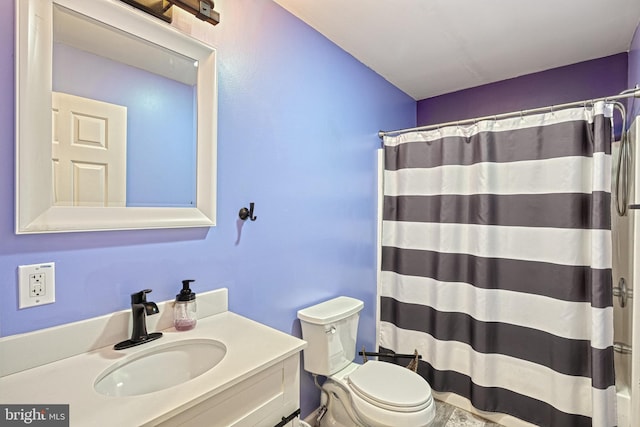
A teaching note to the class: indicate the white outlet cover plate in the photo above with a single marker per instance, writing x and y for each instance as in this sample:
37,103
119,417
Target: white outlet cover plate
25,299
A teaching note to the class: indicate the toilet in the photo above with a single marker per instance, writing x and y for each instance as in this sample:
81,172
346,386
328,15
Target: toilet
373,394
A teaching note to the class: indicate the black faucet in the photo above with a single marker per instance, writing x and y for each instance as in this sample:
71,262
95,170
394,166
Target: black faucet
139,307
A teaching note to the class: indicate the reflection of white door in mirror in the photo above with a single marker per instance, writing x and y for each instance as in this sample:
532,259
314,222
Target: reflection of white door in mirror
36,209
89,151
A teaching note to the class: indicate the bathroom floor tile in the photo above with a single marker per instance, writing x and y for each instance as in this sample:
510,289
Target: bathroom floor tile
460,418
443,413
451,416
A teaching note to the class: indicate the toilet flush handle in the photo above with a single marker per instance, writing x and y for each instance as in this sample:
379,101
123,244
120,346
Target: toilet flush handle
331,330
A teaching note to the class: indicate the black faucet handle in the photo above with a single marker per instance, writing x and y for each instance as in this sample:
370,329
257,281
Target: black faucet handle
140,297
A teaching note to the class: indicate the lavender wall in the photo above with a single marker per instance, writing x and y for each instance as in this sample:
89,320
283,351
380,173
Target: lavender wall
298,122
585,80
634,71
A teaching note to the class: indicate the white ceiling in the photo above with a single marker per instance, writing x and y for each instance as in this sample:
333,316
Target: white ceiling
431,47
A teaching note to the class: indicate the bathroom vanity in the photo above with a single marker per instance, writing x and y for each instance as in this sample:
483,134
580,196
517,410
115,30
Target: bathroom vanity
250,377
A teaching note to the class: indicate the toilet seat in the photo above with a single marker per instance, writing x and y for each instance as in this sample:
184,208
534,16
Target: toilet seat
390,387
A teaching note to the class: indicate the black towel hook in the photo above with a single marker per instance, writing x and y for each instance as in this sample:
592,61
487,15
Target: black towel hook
247,213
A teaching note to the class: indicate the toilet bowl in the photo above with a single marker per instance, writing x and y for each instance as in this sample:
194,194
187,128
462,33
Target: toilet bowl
375,394
378,394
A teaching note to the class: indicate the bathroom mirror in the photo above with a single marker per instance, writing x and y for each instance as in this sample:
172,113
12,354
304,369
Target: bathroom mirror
100,39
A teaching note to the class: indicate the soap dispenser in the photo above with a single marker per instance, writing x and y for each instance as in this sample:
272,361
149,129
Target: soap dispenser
184,310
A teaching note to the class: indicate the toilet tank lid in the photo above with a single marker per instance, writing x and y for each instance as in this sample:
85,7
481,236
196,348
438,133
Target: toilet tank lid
331,310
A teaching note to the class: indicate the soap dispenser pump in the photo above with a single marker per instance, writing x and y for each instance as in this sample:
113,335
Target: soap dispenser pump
184,311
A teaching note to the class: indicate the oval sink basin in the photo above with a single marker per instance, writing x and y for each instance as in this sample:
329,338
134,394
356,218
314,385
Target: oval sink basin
161,367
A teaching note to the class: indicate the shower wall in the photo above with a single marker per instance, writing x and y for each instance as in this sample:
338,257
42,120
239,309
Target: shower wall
626,271
634,111
631,319
623,234
634,71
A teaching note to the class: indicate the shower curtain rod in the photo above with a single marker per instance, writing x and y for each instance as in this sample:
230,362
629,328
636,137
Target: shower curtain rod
629,93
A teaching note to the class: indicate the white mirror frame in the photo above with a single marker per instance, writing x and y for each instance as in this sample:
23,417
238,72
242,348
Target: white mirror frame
35,212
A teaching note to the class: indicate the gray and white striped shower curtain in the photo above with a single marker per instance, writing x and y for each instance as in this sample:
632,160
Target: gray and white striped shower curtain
496,263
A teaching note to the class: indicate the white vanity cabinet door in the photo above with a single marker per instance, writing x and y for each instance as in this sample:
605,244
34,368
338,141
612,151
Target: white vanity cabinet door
259,401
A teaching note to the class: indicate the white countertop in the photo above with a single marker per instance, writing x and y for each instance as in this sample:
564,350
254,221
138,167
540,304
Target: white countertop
251,347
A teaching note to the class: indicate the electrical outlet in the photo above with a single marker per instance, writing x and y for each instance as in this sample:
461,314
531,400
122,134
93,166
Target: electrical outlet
36,284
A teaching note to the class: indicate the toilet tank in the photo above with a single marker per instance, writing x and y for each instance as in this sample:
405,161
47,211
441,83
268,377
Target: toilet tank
330,329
